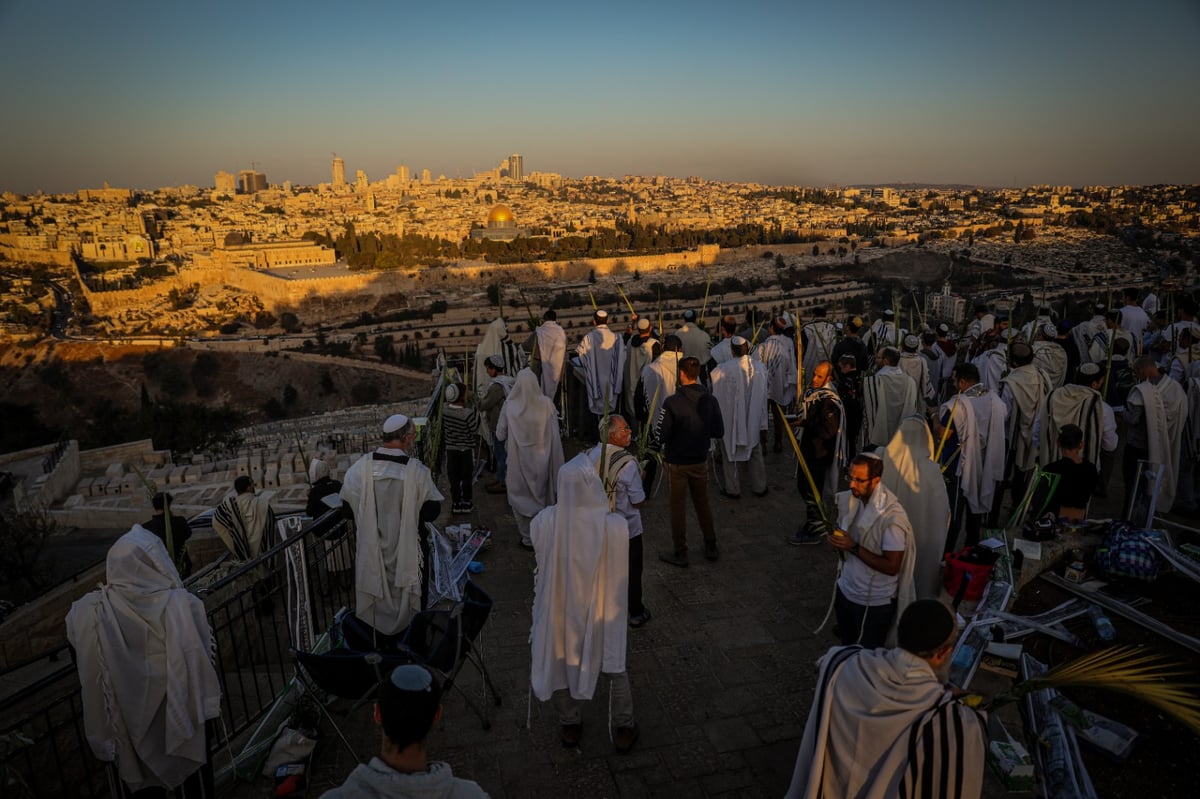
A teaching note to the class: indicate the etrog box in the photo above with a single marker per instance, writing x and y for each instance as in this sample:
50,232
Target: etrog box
1012,765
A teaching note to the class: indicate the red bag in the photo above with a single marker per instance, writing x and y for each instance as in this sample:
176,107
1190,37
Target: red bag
967,561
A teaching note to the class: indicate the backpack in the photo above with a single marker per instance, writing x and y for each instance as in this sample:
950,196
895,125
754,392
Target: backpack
1126,554
1121,381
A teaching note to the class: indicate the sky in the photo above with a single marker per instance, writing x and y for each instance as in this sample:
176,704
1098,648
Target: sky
794,92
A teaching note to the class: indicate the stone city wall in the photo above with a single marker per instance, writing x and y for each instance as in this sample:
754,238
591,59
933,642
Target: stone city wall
53,257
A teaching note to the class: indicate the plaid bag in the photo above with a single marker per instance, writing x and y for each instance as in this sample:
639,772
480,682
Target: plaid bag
1125,554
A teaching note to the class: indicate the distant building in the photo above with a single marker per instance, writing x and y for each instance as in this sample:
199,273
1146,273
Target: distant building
360,180
426,176
268,255
546,180
403,173
501,226
107,194
516,167
226,182
250,181
946,306
339,172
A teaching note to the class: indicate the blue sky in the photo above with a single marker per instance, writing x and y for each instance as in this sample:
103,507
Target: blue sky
147,94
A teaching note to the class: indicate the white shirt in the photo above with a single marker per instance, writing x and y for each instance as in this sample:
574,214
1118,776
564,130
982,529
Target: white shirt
629,489
861,584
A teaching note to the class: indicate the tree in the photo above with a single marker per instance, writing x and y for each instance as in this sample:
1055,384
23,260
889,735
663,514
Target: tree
289,322
816,250
23,535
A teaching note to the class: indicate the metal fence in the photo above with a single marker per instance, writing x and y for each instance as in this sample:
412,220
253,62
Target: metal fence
255,612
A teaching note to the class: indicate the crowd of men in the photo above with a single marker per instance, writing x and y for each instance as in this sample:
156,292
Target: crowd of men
936,433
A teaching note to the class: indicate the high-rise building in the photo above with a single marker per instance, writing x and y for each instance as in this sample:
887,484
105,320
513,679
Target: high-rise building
426,176
339,171
516,167
402,172
225,181
250,181
360,180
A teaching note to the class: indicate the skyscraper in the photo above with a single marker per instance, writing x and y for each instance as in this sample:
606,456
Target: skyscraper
402,171
225,181
339,172
250,181
360,180
516,167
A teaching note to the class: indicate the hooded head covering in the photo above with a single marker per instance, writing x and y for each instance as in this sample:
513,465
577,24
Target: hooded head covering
317,469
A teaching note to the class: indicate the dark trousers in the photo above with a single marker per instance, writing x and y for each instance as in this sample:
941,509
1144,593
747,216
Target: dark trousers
460,468
776,424
819,467
689,478
636,608
850,621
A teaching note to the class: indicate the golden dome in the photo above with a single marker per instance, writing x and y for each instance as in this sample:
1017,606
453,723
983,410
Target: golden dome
500,216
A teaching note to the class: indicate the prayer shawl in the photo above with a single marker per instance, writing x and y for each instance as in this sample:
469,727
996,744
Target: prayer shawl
602,353
910,473
658,382
1077,405
882,334
387,563
1051,360
812,402
1083,333
778,353
245,522
552,352
496,342
888,396
638,354
992,364
740,387
1030,328
983,453
866,523
696,342
1100,347
882,725
1165,408
1192,437
980,326
143,648
529,423
580,586
722,351
819,338
1028,388
917,368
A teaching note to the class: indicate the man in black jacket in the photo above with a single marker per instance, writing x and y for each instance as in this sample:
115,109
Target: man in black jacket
691,418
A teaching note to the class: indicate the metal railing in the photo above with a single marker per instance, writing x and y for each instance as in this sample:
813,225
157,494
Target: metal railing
43,748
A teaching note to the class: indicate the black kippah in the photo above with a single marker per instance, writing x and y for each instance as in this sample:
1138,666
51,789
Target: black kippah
925,625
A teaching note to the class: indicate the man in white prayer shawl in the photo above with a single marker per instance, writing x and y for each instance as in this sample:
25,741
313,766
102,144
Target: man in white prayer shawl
875,540
910,472
818,337
696,341
992,363
659,378
778,354
391,496
602,358
740,386
720,353
888,396
549,353
143,648
1049,356
528,427
640,351
580,597
883,333
244,521
1084,332
884,725
496,341
1023,391
917,367
1155,414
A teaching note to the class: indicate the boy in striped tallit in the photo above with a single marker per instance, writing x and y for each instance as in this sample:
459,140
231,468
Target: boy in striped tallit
883,724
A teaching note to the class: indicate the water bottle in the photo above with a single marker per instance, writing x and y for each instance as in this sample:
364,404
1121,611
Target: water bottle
1103,626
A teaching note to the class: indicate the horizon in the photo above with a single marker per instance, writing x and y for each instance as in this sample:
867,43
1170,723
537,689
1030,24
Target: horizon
146,95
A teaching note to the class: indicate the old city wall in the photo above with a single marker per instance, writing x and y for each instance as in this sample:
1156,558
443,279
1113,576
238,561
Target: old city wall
52,257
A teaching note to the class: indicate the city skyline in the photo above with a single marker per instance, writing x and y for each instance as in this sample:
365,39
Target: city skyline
146,95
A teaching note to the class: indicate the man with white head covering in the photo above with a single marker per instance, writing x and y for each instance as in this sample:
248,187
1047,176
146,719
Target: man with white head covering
244,521
1105,339
658,380
580,597
778,354
549,353
1084,332
496,341
818,336
916,367
911,473
1155,414
888,396
883,333
884,723
875,537
1078,403
696,341
528,427
602,359
992,363
1049,356
641,349
320,485
391,496
1045,316
143,647
740,387
1023,392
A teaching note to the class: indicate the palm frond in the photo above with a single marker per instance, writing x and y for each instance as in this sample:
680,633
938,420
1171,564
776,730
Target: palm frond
1146,676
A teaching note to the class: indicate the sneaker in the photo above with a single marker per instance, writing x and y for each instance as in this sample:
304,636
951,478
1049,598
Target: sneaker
625,738
468,507
640,619
761,494
570,734
710,551
456,508
803,537
679,559
727,495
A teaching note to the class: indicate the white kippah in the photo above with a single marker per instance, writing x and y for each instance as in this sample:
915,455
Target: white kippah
911,341
601,314
643,324
872,455
452,393
394,422
1049,330
737,341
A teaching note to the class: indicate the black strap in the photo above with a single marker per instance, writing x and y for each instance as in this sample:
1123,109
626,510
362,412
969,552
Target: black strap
383,456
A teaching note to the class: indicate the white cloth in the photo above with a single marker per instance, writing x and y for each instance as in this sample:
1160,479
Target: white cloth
386,498
639,353
1165,409
659,378
857,739
740,387
529,423
1071,404
722,351
982,456
496,342
819,338
1135,320
625,487
317,469
778,354
910,473
1083,333
1051,360
143,648
580,587
888,396
917,367
1027,389
882,334
992,364
552,352
868,523
696,342
602,354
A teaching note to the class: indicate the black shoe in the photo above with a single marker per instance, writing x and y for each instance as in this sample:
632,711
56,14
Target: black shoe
679,559
710,551
625,738
761,494
803,537
570,734
727,495
640,619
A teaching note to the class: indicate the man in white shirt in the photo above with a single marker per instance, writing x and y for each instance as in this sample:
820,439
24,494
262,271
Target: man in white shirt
1134,318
